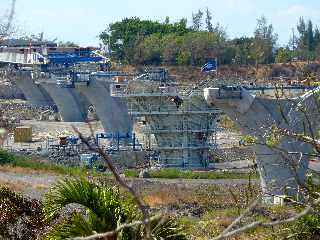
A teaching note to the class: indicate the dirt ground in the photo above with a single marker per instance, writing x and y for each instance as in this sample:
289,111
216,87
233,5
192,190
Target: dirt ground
45,133
34,183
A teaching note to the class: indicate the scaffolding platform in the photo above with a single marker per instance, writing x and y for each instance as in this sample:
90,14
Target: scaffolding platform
180,123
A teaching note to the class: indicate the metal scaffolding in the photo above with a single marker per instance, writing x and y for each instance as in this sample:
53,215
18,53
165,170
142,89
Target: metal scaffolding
181,124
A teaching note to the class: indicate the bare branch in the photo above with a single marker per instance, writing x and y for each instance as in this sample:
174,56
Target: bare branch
112,233
238,219
6,29
225,234
119,180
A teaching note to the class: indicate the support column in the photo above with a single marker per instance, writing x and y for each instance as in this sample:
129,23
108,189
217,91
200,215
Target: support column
32,91
66,100
280,173
112,112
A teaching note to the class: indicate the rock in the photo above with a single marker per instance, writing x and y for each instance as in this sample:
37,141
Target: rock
144,174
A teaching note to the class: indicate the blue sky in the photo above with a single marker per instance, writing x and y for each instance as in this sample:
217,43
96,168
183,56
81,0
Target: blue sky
82,20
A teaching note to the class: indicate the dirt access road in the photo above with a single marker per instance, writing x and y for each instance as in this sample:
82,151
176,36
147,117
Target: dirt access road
35,183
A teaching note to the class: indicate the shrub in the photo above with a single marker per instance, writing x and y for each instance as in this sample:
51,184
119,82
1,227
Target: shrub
6,157
307,228
20,218
106,208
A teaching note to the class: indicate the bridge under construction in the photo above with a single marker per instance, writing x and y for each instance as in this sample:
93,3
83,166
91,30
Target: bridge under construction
177,125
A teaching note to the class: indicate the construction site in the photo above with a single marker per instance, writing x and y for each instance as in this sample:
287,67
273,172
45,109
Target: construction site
187,147
147,114
147,119
177,120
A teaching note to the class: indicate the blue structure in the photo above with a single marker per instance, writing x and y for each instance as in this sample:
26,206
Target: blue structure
88,159
66,59
210,66
118,138
72,58
292,87
72,140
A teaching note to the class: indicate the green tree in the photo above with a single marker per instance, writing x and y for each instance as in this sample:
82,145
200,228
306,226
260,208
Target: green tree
283,55
209,25
201,46
243,50
317,43
308,40
171,47
197,20
67,44
149,50
123,36
264,41
316,38
302,30
310,36
167,20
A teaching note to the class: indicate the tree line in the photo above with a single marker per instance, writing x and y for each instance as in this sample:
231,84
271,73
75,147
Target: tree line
137,41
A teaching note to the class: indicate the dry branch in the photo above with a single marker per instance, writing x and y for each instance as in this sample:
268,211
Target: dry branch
225,234
5,29
120,228
119,180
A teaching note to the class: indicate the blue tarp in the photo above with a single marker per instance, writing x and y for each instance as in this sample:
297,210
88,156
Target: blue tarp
210,66
71,58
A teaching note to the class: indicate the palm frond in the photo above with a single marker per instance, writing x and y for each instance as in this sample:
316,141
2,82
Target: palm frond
65,192
163,229
76,226
104,206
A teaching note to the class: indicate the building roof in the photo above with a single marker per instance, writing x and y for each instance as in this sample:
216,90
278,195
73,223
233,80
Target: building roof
26,43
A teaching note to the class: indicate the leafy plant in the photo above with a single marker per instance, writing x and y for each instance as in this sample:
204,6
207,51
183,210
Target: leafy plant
163,229
105,209
307,228
6,157
248,140
20,218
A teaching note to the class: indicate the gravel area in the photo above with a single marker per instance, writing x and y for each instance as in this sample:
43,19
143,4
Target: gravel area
33,185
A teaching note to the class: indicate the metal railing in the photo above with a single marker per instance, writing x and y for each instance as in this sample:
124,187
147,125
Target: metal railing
182,146
122,90
177,130
165,109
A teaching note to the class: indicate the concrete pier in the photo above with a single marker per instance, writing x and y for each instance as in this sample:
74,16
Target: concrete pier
283,166
67,101
32,91
112,112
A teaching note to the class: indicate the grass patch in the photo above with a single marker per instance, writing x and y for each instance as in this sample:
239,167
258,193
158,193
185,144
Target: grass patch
9,159
227,123
131,173
173,173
